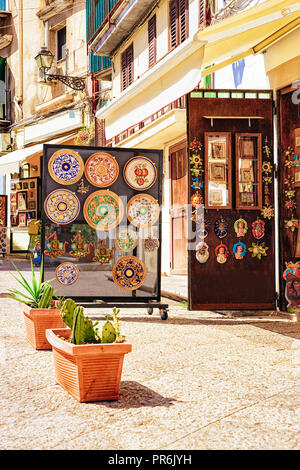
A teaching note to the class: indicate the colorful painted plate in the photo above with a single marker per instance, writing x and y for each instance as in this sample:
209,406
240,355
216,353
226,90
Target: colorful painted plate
151,244
66,166
62,206
129,273
67,274
142,210
101,169
126,240
103,210
140,173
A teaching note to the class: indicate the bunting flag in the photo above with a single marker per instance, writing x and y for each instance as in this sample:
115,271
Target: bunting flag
238,72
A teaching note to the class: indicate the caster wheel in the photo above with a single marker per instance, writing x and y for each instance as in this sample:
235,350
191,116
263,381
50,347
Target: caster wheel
164,314
150,310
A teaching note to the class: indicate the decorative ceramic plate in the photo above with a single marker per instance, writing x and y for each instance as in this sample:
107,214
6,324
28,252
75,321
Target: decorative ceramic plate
62,206
151,244
140,173
129,273
126,240
142,210
67,274
101,169
103,210
66,166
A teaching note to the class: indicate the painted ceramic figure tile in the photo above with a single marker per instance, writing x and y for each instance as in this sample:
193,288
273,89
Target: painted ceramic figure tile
292,288
221,252
65,166
239,250
140,173
220,227
202,252
101,169
240,227
258,228
129,273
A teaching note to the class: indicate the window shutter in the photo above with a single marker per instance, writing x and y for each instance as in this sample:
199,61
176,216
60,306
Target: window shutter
130,64
202,13
127,67
183,20
173,23
152,40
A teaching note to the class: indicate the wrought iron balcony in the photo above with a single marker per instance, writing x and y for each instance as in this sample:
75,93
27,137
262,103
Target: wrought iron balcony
231,8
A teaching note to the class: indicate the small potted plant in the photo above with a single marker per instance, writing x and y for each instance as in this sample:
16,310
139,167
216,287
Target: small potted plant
88,362
40,309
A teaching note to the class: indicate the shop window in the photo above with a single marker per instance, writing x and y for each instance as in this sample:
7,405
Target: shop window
178,23
61,43
248,171
218,170
152,40
127,67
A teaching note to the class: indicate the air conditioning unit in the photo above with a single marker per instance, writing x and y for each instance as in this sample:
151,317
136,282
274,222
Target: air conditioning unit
5,142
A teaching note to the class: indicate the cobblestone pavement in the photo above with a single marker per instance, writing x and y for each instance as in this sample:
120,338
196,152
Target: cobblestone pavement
195,381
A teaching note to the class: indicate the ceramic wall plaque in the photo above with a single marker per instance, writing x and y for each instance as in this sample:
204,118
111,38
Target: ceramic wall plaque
202,252
258,228
129,273
126,239
66,166
103,210
220,227
239,250
240,227
140,173
221,252
62,206
67,273
101,169
142,210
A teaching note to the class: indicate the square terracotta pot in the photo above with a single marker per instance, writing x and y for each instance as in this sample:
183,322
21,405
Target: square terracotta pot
88,372
37,321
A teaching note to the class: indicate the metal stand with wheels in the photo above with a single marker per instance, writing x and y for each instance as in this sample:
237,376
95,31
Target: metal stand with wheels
150,306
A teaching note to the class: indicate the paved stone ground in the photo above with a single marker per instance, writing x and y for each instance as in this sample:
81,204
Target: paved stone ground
195,381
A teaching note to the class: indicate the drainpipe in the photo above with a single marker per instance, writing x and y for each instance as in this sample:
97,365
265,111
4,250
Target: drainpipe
21,84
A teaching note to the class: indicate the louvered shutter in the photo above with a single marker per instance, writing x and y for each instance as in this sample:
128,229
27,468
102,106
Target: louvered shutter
130,64
202,13
152,40
127,67
173,24
124,68
183,20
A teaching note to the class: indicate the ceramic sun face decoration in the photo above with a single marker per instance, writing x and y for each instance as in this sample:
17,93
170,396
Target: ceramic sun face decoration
202,252
258,228
240,227
239,250
221,252
221,227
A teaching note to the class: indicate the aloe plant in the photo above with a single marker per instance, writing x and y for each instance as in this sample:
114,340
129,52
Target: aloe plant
34,290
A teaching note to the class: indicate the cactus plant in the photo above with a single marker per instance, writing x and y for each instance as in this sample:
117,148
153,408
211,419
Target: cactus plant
108,334
47,295
84,330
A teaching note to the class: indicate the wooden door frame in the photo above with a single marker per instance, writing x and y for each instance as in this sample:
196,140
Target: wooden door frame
174,148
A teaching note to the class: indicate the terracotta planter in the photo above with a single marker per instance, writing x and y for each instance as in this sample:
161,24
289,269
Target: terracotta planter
37,321
88,372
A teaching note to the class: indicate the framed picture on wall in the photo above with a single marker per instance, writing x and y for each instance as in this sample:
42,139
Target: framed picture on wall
31,205
22,219
247,175
215,197
13,207
22,201
19,185
14,220
217,172
31,195
218,150
25,185
13,198
247,147
12,186
32,184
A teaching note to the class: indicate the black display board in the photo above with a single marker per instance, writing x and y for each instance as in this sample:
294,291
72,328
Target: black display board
95,280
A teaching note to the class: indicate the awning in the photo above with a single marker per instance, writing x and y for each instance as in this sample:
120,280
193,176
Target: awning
10,163
220,44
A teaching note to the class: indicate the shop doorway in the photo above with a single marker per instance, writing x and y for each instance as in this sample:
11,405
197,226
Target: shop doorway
178,201
232,257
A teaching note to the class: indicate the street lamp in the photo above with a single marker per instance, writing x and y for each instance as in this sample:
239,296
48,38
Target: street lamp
44,61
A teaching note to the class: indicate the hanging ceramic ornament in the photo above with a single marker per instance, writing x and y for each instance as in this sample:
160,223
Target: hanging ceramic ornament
220,227
239,250
258,250
258,228
202,228
202,252
196,199
221,252
240,227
